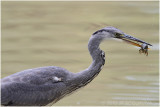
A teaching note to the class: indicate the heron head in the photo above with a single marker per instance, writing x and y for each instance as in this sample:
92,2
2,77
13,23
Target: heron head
112,32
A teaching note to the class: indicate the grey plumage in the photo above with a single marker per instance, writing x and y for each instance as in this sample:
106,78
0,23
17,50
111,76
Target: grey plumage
34,86
47,85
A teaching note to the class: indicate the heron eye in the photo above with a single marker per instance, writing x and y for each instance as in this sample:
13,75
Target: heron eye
118,34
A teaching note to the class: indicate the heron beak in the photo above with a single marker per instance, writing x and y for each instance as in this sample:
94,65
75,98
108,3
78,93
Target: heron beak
132,40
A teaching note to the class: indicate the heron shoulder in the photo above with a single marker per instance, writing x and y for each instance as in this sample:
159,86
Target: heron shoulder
37,76
40,83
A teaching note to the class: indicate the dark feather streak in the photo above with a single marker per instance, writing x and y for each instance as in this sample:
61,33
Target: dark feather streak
100,31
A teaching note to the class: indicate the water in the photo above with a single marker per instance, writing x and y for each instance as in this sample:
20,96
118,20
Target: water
38,34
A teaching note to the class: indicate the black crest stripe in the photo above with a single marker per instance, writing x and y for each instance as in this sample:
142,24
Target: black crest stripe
100,31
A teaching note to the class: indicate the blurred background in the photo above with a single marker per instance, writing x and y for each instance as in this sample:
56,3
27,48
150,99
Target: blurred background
36,34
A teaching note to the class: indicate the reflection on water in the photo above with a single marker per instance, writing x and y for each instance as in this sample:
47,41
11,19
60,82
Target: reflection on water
38,34
124,86
142,78
146,94
155,46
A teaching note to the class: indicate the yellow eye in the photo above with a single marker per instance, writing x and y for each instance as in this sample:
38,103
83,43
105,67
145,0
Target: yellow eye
118,34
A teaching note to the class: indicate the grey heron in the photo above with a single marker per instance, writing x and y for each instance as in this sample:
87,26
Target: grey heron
47,85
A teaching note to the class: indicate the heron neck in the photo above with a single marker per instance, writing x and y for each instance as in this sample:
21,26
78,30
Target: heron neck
87,75
93,46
